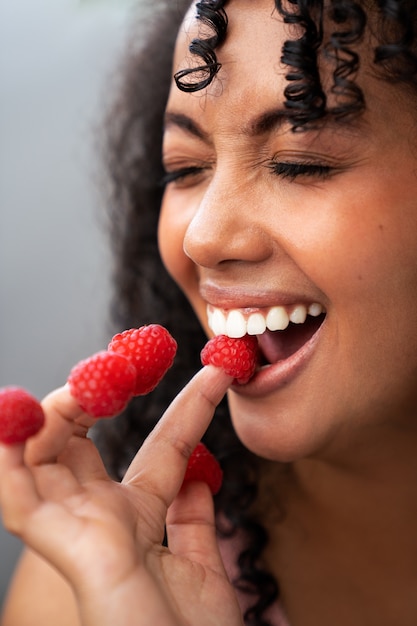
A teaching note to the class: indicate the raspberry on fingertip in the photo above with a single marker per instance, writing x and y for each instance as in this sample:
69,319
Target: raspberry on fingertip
21,415
151,349
237,357
103,383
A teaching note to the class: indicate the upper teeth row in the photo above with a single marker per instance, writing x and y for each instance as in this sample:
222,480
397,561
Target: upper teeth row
235,323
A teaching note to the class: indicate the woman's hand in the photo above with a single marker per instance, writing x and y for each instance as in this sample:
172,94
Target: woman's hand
104,537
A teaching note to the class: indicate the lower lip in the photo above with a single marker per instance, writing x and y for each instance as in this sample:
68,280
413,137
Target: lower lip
271,378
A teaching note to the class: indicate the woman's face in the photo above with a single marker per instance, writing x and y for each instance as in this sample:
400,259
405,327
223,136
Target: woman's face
260,224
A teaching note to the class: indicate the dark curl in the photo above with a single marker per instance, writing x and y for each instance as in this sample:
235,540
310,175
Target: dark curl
346,60
304,96
396,54
211,14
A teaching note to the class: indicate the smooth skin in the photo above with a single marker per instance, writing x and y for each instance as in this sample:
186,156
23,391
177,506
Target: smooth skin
237,234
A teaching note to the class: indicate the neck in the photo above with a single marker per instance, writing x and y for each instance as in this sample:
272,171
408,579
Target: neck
348,526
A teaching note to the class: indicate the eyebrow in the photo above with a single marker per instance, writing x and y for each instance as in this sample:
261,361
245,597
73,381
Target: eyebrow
264,123
185,123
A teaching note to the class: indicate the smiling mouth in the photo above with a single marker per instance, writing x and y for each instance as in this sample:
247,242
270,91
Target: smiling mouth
281,331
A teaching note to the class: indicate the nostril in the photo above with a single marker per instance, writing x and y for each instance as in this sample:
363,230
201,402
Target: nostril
210,243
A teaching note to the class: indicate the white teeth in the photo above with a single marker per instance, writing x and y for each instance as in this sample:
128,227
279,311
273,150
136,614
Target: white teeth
315,309
298,314
235,325
217,322
277,318
256,324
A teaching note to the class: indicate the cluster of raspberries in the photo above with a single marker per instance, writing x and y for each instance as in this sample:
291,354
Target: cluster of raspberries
134,363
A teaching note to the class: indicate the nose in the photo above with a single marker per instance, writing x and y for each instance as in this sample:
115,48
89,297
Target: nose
227,227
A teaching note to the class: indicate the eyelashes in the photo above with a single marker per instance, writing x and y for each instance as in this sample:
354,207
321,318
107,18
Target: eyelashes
287,170
180,175
293,170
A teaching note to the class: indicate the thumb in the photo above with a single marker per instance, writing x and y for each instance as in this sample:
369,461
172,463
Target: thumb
191,528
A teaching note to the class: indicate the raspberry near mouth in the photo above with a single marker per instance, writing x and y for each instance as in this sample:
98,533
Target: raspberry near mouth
279,345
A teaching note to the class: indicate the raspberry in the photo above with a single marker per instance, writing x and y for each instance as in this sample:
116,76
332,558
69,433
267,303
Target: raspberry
151,349
204,467
103,383
238,357
21,415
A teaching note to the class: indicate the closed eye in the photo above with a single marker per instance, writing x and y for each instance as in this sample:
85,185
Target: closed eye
180,175
293,170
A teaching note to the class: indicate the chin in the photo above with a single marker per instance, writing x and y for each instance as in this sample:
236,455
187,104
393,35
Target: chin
283,437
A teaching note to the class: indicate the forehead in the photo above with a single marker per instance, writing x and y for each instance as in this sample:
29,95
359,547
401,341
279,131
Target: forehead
250,56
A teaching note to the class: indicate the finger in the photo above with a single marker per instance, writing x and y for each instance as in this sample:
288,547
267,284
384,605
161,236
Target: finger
83,459
18,493
22,489
64,438
26,515
160,464
64,418
191,529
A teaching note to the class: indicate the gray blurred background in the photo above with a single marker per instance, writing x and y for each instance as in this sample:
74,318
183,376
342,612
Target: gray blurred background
56,57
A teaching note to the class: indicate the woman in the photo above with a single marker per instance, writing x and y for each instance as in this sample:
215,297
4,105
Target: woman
289,192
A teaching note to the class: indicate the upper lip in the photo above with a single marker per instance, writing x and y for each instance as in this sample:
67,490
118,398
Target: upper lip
241,298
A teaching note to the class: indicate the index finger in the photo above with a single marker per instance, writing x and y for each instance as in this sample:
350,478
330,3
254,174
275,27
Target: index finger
161,462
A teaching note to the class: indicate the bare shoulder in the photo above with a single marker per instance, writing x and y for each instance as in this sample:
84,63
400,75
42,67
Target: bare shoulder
38,595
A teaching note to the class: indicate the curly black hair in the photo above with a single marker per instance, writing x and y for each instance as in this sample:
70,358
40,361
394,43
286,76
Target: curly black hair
395,55
143,291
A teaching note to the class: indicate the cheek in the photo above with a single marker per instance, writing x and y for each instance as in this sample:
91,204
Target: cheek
359,242
170,243
171,231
